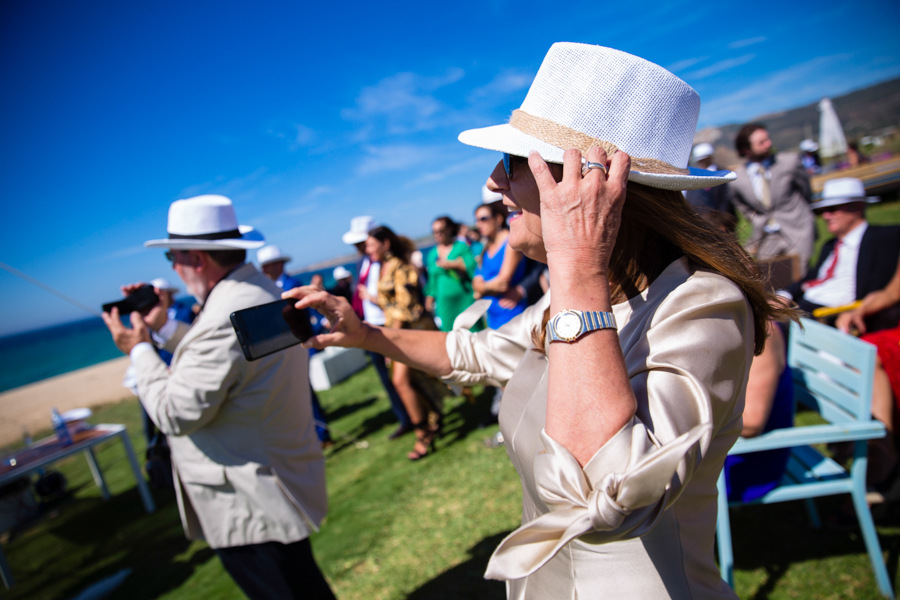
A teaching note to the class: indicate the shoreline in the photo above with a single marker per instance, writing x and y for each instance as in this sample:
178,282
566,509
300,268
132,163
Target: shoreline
28,407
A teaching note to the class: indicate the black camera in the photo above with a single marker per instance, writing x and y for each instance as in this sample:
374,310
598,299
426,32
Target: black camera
142,300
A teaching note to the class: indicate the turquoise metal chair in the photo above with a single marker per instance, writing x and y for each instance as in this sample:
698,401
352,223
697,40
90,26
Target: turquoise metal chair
832,375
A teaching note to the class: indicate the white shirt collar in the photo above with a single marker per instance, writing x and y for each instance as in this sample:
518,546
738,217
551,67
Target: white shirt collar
854,238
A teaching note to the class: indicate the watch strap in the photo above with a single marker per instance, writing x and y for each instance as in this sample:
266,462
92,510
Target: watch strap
591,320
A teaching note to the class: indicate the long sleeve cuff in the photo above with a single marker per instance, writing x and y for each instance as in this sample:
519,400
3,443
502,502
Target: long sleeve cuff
165,333
632,470
139,349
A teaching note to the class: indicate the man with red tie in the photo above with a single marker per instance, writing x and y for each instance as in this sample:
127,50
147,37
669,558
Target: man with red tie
861,258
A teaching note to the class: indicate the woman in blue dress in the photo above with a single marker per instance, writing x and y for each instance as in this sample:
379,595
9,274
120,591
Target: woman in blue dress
500,267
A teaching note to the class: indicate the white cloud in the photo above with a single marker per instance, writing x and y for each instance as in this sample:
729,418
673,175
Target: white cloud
297,135
719,67
794,86
748,42
398,157
686,63
451,169
402,103
225,186
121,253
301,209
304,136
502,85
319,190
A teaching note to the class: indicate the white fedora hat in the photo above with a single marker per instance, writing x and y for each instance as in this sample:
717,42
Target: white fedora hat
702,150
270,254
341,273
161,283
359,230
585,96
489,197
206,223
842,191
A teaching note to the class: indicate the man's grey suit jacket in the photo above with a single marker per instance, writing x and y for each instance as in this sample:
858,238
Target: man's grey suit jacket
791,193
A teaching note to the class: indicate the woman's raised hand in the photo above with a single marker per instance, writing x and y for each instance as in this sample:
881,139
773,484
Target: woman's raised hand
580,215
346,328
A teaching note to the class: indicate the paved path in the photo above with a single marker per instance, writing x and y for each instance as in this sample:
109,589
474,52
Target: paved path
29,406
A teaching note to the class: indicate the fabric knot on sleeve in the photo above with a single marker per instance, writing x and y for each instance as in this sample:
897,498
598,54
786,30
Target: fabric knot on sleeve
576,508
603,510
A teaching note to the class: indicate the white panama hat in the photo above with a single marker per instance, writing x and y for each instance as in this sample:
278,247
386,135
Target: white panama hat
489,197
808,146
586,95
842,191
206,223
702,150
161,283
341,273
270,254
359,230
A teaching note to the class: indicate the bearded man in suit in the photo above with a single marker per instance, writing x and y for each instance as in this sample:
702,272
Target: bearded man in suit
773,193
248,468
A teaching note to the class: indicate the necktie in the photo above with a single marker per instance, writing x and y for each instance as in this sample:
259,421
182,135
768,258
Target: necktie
766,197
829,272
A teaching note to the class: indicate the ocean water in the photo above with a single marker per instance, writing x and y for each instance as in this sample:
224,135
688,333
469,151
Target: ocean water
35,355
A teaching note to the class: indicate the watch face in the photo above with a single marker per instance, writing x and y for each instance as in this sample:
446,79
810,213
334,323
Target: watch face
567,325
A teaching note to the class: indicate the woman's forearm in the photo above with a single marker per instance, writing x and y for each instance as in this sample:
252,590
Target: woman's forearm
423,350
589,397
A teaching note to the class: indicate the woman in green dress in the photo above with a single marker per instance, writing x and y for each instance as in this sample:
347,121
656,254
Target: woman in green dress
450,267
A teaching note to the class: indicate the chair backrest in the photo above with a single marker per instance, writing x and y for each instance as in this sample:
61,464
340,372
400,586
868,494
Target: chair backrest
832,371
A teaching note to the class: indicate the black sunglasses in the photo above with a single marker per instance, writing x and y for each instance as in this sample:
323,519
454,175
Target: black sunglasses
508,165
170,256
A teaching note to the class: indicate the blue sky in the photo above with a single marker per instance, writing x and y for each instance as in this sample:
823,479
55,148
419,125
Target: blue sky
306,115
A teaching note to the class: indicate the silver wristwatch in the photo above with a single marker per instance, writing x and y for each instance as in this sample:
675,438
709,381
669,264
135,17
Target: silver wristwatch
569,325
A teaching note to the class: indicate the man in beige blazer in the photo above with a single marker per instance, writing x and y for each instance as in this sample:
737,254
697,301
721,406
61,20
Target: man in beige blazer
249,471
773,193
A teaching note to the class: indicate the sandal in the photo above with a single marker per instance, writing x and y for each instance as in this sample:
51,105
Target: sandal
424,442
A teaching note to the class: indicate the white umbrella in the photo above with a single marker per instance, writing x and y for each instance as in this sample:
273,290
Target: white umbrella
831,135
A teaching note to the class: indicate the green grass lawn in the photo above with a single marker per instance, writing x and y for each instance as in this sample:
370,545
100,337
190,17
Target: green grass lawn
395,529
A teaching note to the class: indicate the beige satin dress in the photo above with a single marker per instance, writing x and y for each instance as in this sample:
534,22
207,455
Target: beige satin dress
639,520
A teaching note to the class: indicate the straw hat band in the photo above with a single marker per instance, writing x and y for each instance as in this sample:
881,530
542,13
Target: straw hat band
559,135
218,235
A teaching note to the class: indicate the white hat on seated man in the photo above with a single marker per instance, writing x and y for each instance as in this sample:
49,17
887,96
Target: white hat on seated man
341,273
206,223
842,191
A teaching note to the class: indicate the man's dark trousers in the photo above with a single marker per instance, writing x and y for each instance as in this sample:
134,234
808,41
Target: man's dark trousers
276,571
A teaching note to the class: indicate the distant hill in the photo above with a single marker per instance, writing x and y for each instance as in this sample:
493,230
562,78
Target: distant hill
862,112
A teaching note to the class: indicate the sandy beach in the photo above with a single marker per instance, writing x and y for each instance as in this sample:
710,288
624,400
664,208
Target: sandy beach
29,406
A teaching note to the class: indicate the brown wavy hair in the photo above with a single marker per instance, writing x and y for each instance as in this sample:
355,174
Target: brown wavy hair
658,227
401,247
